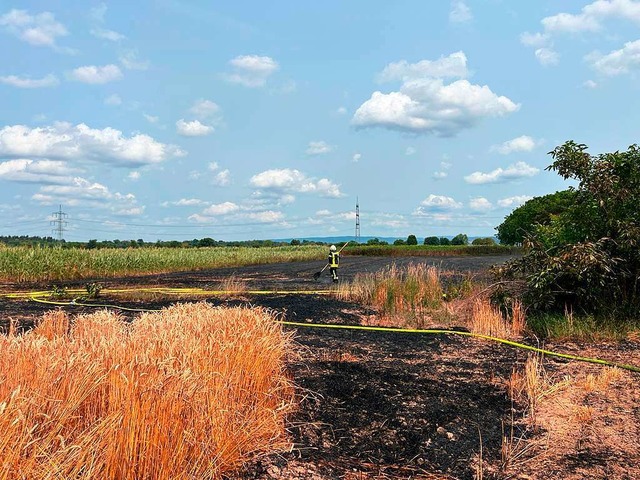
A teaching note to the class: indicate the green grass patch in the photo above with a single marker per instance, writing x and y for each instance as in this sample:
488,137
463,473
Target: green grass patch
26,264
580,327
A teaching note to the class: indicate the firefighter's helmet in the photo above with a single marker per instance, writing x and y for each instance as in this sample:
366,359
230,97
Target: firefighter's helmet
332,248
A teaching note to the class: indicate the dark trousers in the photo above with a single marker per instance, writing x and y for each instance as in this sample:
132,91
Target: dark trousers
334,273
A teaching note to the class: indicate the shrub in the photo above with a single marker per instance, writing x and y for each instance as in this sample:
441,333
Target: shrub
483,241
460,239
412,240
445,241
432,241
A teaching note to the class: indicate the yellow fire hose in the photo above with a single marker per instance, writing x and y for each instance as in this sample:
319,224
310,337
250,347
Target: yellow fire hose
36,296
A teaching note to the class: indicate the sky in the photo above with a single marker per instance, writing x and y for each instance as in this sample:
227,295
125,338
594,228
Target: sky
174,120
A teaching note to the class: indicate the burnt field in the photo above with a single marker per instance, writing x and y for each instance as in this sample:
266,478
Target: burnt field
397,405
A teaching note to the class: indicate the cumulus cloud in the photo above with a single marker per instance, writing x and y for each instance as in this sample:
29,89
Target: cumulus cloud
222,178
460,12
410,151
515,201
451,66
151,118
589,20
425,104
96,75
80,143
437,203
25,170
480,204
356,157
41,30
130,61
134,176
80,191
513,172
590,84
251,70
341,111
193,129
205,109
188,202
318,148
617,62
288,180
49,80
547,56
439,175
221,209
523,143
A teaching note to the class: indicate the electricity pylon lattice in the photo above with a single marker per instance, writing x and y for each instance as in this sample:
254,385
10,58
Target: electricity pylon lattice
357,221
59,223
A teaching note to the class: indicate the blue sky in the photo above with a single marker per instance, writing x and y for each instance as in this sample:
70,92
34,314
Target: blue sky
254,120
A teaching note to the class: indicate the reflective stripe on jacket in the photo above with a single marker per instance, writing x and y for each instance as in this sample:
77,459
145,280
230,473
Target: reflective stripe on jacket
334,259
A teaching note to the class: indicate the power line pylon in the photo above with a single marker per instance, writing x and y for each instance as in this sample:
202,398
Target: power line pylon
59,223
357,221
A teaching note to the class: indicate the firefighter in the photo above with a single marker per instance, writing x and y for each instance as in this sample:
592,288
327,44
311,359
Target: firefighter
334,261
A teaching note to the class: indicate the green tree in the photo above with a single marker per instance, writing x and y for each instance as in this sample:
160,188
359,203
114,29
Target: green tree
445,241
537,211
460,239
483,241
588,256
399,241
412,240
432,241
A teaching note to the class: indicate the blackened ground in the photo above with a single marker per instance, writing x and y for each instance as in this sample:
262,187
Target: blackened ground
372,405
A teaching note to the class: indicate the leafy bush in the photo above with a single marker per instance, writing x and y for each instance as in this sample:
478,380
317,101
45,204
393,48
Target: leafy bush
412,240
445,241
460,239
483,241
432,241
587,258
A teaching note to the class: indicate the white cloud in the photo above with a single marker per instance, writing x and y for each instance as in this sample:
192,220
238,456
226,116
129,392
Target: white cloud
318,148
222,178
113,100
390,220
356,157
205,109
98,12
439,175
480,204
134,176
251,70
63,141
590,84
323,213
460,12
446,165
512,172
268,216
288,180
129,60
41,171
534,39
452,66
49,80
80,191
189,202
592,15
616,62
426,105
96,75
437,203
221,209
341,111
193,129
523,143
41,30
514,201
151,118
107,34
547,56
410,151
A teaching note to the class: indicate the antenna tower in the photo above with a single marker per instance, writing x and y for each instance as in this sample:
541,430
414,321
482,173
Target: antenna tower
59,223
357,221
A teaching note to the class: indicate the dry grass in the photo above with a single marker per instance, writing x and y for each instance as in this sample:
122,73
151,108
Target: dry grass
413,291
190,392
233,284
488,320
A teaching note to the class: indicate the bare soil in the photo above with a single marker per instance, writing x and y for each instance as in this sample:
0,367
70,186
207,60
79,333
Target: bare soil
383,405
